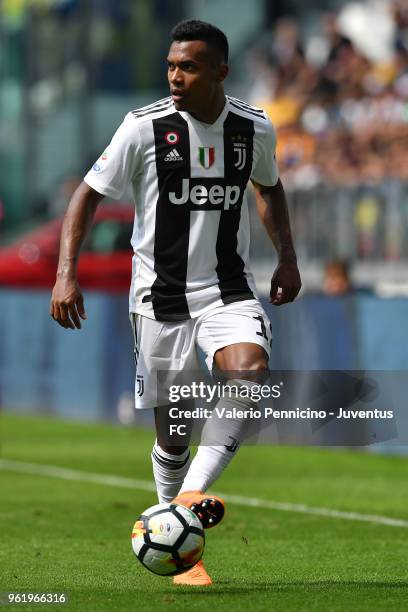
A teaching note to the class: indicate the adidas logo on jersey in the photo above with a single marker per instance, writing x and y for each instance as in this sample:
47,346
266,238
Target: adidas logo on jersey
200,194
173,155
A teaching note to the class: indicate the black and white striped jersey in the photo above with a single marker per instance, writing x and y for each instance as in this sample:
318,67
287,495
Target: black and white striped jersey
191,233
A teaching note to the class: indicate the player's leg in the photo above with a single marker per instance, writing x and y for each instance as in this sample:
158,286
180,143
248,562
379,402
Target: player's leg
220,338
158,353
170,458
221,437
162,348
237,340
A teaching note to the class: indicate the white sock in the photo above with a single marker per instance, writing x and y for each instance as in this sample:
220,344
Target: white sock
169,472
220,439
206,467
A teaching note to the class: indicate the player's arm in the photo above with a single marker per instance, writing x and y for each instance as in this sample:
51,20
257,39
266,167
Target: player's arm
67,304
273,211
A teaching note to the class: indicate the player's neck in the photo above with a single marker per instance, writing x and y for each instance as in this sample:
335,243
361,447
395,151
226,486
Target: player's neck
212,111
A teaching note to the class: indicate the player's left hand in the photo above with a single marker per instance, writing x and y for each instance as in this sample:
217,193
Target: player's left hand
285,283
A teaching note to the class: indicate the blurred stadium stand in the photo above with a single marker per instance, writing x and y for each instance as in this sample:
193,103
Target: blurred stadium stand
70,70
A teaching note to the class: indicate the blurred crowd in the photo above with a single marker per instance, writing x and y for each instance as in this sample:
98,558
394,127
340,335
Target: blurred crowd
341,116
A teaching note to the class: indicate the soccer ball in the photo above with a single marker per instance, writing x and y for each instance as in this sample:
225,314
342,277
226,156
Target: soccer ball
168,539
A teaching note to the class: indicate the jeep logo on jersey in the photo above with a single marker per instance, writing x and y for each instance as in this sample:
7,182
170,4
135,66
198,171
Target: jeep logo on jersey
199,195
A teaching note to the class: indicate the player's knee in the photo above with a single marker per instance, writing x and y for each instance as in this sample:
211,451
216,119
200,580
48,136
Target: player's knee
260,364
255,371
243,363
242,357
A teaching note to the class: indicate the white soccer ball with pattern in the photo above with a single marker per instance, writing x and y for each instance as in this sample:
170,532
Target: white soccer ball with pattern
168,539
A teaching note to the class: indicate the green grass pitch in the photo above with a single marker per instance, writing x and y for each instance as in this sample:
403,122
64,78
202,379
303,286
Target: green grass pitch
72,536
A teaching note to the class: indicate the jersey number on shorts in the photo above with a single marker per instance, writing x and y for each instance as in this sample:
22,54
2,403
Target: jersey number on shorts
263,327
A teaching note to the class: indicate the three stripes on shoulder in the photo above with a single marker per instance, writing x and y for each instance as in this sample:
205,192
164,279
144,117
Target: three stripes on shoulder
166,103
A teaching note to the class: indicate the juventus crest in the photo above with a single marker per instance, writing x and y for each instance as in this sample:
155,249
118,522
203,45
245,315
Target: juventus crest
240,152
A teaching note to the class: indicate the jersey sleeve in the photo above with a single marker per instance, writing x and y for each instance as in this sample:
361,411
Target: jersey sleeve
265,169
112,173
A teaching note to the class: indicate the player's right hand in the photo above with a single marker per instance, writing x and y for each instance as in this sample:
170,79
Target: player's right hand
67,303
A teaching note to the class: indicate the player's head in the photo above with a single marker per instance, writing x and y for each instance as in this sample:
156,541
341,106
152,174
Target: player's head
197,64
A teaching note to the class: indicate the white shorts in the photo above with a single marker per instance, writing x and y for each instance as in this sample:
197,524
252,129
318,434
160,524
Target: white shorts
171,347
